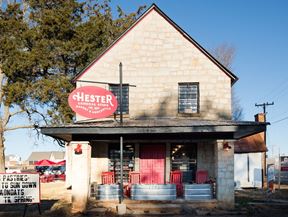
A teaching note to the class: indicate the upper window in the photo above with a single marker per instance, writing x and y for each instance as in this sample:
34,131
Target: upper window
114,88
188,99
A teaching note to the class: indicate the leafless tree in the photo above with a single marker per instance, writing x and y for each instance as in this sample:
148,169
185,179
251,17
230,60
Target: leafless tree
225,54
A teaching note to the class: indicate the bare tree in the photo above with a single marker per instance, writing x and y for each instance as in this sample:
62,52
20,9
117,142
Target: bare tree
225,54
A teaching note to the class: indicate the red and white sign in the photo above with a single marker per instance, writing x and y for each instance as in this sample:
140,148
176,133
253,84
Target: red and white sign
92,102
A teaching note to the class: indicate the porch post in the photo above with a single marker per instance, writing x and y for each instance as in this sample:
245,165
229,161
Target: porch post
168,162
224,171
137,159
68,173
81,163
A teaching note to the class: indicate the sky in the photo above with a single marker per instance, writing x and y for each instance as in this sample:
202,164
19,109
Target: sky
258,30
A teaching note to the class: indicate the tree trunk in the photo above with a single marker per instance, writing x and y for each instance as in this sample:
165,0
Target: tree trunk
2,155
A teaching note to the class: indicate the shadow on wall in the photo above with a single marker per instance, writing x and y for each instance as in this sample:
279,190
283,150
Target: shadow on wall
206,111
162,111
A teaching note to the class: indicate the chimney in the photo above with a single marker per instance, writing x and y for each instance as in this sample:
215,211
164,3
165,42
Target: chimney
260,117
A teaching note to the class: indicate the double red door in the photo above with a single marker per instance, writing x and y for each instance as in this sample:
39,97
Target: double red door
152,163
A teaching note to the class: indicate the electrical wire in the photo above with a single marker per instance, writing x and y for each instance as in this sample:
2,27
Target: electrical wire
283,119
277,90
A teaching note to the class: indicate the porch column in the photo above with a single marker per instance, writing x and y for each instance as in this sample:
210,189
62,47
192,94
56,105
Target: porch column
224,172
68,171
81,163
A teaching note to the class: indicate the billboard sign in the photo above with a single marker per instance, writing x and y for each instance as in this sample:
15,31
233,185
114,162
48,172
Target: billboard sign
18,188
92,102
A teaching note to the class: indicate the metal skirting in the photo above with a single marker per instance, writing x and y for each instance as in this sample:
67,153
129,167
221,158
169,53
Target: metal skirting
198,192
153,192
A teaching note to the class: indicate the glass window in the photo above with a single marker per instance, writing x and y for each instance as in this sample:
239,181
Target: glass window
128,160
188,99
184,158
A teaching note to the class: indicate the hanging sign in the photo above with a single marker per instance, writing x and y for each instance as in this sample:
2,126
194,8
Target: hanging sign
92,102
19,188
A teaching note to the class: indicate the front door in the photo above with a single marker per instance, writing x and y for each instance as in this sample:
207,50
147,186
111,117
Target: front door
152,163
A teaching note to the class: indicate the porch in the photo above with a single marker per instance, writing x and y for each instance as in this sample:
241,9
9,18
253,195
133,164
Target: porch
212,140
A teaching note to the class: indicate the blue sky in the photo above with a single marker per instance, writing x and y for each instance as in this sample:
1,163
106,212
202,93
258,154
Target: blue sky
259,32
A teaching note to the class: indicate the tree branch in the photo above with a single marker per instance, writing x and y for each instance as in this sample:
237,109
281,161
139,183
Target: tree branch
19,127
17,112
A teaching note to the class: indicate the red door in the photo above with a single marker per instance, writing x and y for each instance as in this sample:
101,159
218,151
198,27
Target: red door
152,164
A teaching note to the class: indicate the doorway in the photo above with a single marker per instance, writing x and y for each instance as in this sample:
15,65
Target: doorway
152,163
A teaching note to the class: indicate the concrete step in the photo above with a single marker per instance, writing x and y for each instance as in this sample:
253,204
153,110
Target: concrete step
154,209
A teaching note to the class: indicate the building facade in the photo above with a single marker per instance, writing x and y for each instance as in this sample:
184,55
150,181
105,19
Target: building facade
176,113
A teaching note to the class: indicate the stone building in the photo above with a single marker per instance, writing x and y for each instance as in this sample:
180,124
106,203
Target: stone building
177,113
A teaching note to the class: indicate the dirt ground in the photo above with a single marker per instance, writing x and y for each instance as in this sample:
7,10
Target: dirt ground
56,201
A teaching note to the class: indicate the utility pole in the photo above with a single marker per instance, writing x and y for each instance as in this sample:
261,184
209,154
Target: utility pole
279,171
264,105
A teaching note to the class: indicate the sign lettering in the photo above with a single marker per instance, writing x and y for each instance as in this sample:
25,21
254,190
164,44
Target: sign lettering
92,102
19,188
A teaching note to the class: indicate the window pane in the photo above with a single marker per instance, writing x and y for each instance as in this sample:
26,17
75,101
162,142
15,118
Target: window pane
188,98
125,97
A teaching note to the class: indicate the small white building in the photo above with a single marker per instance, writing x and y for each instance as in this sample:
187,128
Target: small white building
249,159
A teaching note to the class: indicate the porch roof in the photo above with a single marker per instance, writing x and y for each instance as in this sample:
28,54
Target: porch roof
155,129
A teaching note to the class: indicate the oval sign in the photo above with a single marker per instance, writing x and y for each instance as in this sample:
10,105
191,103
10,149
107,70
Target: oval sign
92,102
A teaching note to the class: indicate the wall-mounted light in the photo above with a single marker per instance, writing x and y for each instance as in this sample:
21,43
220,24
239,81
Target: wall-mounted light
226,146
78,149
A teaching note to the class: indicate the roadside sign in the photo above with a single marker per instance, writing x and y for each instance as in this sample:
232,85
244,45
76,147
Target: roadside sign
16,188
92,102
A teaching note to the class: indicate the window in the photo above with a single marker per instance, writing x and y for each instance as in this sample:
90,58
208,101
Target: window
184,158
128,160
114,88
188,99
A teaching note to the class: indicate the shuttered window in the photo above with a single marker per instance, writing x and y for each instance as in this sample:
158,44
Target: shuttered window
125,97
188,99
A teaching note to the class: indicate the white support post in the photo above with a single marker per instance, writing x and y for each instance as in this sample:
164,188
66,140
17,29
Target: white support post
81,163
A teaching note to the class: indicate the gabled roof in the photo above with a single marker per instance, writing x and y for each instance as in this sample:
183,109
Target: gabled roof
154,7
58,155
36,156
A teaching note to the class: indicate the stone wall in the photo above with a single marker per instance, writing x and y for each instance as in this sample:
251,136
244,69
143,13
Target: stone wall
99,161
205,158
156,57
224,171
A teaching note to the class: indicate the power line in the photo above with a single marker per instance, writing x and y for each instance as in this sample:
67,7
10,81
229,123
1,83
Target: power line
274,122
274,91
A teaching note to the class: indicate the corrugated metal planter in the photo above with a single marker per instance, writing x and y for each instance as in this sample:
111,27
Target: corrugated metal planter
198,192
153,192
108,192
